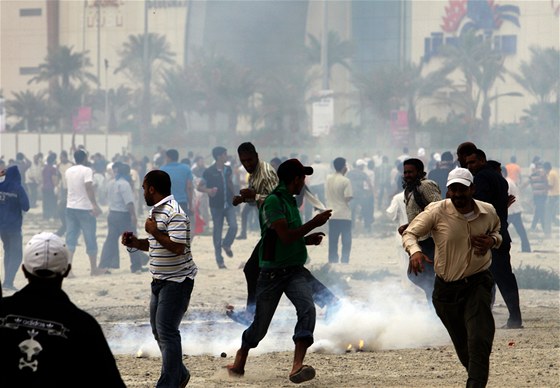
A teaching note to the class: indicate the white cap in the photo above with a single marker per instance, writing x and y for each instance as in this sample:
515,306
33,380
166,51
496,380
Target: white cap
361,162
460,175
46,252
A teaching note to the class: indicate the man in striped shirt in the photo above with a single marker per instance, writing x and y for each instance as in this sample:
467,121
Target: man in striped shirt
173,271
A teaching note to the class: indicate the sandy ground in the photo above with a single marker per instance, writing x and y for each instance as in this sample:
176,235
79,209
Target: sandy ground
405,345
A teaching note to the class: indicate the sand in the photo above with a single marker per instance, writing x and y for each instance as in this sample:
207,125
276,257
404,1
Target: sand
404,343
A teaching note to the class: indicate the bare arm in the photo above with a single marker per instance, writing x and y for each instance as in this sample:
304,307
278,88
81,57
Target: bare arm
162,238
287,235
91,195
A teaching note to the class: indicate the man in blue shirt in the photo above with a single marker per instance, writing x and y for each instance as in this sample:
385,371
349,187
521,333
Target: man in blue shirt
181,180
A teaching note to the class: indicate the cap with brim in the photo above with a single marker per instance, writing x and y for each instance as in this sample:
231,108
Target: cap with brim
292,168
460,175
46,255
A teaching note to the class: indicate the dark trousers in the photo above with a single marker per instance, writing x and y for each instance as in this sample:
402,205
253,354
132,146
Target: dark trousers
342,229
464,307
218,216
249,215
13,253
322,296
540,213
49,204
425,279
118,223
62,212
506,282
517,222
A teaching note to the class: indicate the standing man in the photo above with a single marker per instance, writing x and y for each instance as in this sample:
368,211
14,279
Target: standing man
491,187
63,165
173,271
181,180
121,218
282,257
464,230
440,173
362,195
553,199
13,202
539,186
46,340
316,184
82,209
514,211
217,183
50,182
338,190
418,193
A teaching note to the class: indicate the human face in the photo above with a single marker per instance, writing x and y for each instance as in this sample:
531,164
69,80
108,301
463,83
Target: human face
461,196
148,193
474,164
249,161
410,173
299,183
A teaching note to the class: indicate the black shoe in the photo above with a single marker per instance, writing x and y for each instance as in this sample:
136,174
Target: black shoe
222,266
228,251
509,326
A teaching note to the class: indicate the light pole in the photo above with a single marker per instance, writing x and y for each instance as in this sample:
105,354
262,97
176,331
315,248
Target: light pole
146,109
106,107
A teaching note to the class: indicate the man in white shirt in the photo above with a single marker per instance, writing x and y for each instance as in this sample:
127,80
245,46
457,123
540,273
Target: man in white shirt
82,209
339,193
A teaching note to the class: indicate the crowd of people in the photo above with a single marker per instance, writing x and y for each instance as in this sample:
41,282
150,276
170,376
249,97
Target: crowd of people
454,227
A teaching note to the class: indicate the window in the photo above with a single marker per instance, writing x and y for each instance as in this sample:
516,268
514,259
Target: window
28,70
30,12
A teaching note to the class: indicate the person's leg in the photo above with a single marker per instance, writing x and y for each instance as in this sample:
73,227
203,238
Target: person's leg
73,229
12,242
507,284
169,307
244,216
61,213
334,232
450,306
298,291
110,250
231,219
517,222
251,271
479,322
88,224
346,237
217,227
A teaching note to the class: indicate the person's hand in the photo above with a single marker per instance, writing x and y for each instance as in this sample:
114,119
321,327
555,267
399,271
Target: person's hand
511,200
237,199
314,238
416,265
482,243
128,239
248,193
150,226
212,191
322,218
96,211
402,228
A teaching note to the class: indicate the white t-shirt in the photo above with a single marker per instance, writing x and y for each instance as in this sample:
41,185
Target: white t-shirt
76,178
337,189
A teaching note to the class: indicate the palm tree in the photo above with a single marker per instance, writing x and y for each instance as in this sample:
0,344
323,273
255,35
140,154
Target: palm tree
339,51
142,72
63,66
541,76
30,108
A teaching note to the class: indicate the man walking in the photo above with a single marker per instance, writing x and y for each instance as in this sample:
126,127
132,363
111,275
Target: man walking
491,187
82,209
217,183
418,193
464,231
338,190
181,180
282,257
173,271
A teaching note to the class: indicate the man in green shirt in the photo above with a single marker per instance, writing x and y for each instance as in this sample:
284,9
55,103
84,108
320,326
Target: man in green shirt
282,255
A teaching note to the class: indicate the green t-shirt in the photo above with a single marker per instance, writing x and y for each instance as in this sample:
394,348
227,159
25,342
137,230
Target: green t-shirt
278,205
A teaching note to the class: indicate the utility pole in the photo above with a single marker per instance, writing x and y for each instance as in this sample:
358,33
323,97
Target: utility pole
146,114
98,44
324,47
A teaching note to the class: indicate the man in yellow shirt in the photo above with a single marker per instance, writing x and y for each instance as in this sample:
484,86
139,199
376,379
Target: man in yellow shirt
464,230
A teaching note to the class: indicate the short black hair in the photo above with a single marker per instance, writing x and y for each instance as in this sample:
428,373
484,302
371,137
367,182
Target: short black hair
466,148
80,156
416,163
247,148
218,151
339,163
480,155
172,154
160,181
494,165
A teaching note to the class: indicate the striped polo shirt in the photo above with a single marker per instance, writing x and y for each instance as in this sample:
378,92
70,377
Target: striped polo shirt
171,220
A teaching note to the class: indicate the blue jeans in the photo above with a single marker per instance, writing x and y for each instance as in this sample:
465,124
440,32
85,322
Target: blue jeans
119,222
425,279
342,228
81,221
168,304
272,283
218,216
13,253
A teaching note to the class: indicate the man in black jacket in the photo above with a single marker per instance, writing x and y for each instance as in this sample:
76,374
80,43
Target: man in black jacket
491,187
46,340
